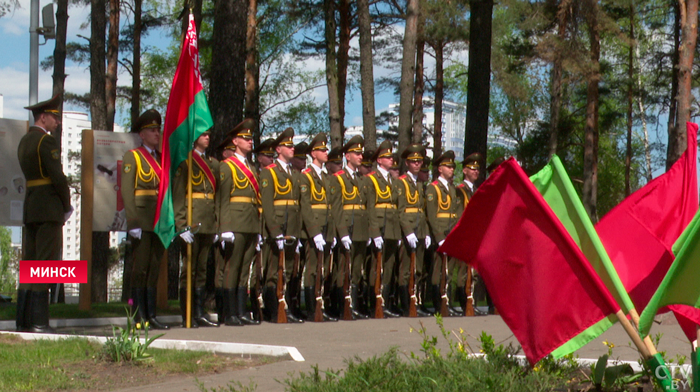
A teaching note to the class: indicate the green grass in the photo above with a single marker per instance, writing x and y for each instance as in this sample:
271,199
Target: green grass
70,311
70,364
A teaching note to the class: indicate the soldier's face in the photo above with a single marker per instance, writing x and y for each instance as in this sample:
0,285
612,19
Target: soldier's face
385,162
320,155
446,172
265,160
50,121
285,152
150,137
471,175
243,146
202,142
414,166
354,158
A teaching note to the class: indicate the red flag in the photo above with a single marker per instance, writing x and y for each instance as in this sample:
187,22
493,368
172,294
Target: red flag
541,283
639,233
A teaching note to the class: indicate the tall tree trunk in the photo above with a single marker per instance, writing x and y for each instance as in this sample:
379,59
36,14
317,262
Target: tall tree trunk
196,9
252,90
112,58
408,71
98,114
555,106
673,104
136,74
227,85
369,128
332,75
439,92
343,57
419,87
630,101
590,152
642,115
479,82
677,142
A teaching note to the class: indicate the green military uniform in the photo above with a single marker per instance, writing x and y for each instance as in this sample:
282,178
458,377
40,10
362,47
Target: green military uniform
443,212
382,203
411,209
46,208
239,219
316,221
203,176
280,200
348,195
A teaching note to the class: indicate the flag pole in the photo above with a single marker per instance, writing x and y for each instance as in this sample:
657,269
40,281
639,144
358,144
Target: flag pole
188,312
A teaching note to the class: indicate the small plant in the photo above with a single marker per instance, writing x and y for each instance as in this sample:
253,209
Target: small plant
125,344
612,378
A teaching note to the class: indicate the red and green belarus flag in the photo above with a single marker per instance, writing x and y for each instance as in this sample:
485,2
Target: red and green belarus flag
186,118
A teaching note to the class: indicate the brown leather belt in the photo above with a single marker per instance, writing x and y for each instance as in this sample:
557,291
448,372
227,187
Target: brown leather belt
43,181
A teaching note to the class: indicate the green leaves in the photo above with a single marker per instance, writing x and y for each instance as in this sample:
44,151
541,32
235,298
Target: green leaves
126,345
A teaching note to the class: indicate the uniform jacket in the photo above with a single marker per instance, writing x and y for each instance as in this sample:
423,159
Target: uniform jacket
442,209
464,194
204,185
382,203
40,160
411,207
237,200
139,189
279,191
315,204
349,205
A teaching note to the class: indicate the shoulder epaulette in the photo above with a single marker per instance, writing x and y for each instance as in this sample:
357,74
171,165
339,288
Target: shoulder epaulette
460,185
402,176
307,170
339,172
270,166
370,173
434,183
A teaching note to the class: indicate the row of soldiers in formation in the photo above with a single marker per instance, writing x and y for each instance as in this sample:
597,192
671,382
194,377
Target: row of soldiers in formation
356,240
352,239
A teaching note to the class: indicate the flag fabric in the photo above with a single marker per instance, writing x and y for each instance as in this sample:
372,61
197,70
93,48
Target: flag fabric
557,190
679,286
639,233
538,278
186,118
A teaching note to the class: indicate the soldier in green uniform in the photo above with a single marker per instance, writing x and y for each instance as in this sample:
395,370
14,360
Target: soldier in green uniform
395,169
203,175
298,164
225,149
238,200
280,200
316,221
335,161
46,208
414,228
442,210
264,154
139,187
349,211
465,190
384,228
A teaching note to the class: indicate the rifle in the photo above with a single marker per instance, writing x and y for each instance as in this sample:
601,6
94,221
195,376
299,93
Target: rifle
469,307
443,278
412,312
320,259
258,280
347,303
379,301
281,302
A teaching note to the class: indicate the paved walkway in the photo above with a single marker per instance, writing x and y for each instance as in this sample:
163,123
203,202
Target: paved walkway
329,344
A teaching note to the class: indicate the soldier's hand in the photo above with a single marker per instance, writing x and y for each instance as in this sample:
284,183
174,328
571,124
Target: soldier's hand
335,243
412,240
136,233
187,236
67,215
378,242
320,243
346,241
280,241
428,241
227,236
298,249
216,238
441,242
258,245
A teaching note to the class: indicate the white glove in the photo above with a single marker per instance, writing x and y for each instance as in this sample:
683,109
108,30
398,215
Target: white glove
399,244
258,245
378,242
216,238
298,250
280,242
346,241
136,233
412,240
335,243
428,241
67,215
320,243
441,242
187,236
223,245
369,242
227,236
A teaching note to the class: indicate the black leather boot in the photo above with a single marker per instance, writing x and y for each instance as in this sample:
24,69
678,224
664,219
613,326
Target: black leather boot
231,309
243,315
405,300
437,298
270,301
183,309
40,312
198,312
153,322
138,307
389,308
219,300
357,308
255,305
23,310
310,302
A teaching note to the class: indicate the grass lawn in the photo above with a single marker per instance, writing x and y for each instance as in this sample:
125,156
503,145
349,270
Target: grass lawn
76,364
70,311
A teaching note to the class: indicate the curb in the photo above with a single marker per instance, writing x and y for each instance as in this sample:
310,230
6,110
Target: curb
10,325
190,345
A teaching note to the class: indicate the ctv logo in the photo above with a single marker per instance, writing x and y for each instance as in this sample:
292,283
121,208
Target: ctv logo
53,271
